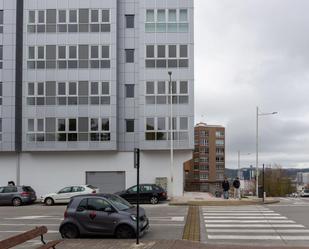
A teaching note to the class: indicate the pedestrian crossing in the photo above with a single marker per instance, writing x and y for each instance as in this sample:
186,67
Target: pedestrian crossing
251,223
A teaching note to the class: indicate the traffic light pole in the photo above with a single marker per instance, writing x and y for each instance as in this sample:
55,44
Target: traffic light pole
137,166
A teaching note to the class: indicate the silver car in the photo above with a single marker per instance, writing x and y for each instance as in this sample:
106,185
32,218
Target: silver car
17,195
102,214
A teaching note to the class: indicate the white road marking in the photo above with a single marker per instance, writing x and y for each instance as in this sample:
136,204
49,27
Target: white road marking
250,221
244,237
240,214
245,217
281,231
180,218
298,238
255,225
23,224
237,211
15,231
32,218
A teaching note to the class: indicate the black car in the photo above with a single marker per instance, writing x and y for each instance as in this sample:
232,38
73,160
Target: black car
17,195
149,193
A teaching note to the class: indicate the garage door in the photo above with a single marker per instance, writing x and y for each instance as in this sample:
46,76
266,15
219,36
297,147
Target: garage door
107,182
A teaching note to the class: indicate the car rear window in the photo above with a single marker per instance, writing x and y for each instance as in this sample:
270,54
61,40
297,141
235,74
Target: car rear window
92,187
157,188
28,189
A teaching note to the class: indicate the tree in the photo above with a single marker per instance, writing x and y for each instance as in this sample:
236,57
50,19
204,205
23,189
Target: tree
277,182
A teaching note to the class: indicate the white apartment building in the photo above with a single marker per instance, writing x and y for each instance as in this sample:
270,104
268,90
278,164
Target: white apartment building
84,82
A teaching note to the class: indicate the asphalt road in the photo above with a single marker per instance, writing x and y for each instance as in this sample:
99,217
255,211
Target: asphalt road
284,223
166,222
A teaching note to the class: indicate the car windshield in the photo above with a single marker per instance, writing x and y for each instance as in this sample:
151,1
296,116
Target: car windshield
119,203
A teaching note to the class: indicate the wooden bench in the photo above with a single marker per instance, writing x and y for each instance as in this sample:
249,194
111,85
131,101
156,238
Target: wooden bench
23,237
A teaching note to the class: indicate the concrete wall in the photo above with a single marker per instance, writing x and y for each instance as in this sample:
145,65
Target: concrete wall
49,171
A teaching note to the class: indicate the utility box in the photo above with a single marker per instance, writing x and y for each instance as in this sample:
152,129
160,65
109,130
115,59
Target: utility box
162,182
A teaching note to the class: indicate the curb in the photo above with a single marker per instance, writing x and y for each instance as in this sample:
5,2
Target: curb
223,203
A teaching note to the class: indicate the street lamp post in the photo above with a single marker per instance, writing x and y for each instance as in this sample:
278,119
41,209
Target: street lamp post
171,135
257,147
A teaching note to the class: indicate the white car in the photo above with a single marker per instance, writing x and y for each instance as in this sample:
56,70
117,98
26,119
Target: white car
64,195
305,193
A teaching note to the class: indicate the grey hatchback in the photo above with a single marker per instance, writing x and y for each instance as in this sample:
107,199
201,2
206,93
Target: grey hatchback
102,214
17,195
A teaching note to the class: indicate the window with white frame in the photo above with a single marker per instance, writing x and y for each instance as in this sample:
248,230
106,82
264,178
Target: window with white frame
203,176
1,93
158,128
158,92
69,20
68,93
1,21
167,56
167,21
71,57
0,130
35,130
219,142
1,56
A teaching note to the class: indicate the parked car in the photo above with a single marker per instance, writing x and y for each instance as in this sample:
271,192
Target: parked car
149,193
305,193
102,214
64,195
17,195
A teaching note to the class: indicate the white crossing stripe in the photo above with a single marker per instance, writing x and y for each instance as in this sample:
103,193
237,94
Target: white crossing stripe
250,221
244,237
237,211
281,231
252,224
239,214
245,217
255,225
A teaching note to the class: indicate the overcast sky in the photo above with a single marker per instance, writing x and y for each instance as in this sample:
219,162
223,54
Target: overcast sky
252,53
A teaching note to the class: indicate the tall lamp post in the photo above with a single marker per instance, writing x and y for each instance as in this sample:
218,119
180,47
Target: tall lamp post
171,134
258,114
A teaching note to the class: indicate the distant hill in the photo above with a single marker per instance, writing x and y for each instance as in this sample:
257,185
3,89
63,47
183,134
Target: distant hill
291,172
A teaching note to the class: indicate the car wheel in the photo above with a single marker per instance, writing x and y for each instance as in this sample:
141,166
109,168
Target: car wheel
154,200
16,202
69,231
49,202
125,232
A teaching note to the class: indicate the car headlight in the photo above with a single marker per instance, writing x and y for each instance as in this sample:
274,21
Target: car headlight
133,217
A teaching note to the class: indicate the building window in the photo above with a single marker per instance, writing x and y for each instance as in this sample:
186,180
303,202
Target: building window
129,90
203,176
130,125
159,128
68,129
1,56
72,57
220,142
167,20
72,21
0,129
68,93
1,93
1,21
167,56
159,93
129,55
129,21
219,134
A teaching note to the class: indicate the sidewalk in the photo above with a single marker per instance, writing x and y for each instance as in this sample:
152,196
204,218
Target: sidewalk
206,199
162,244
